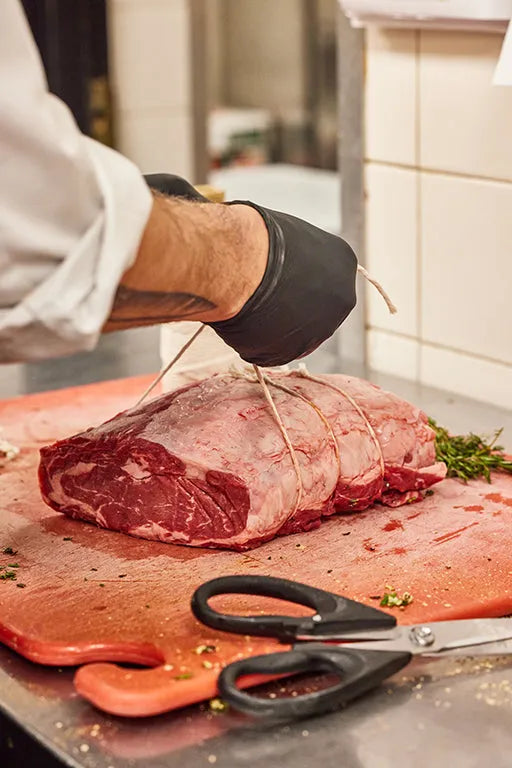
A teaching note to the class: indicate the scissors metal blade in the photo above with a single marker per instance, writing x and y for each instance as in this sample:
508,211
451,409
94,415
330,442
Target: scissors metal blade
467,637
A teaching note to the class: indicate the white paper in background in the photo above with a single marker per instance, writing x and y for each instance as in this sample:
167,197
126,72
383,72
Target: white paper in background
503,71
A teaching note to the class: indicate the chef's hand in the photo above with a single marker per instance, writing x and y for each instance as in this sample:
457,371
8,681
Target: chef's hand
306,293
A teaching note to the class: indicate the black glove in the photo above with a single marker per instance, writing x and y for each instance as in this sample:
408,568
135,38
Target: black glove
306,293
174,186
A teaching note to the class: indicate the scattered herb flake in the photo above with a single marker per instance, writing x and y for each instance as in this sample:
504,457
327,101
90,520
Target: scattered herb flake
469,456
8,575
392,600
346,533
10,551
101,584
207,664
330,570
21,586
205,649
147,605
217,705
13,565
92,569
67,538
429,492
122,575
184,676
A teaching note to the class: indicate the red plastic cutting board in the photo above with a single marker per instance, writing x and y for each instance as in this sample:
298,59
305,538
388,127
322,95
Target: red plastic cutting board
106,597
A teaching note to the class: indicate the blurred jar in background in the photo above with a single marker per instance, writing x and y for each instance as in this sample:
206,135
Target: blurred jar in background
239,136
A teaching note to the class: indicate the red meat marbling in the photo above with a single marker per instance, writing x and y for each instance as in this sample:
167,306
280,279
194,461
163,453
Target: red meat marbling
207,465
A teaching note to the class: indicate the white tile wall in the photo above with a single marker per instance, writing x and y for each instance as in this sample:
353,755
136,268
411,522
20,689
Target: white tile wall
467,375
391,240
150,62
454,225
150,54
391,96
467,265
393,354
466,123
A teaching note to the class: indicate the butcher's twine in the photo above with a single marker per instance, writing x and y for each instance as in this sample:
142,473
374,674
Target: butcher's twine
270,400
169,365
304,372
265,382
362,271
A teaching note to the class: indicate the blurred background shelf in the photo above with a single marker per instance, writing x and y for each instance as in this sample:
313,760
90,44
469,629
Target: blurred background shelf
394,137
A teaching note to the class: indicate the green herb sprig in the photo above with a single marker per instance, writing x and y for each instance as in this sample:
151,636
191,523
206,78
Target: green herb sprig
8,575
470,456
392,599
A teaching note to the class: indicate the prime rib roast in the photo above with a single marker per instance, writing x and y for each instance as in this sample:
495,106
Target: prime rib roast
207,465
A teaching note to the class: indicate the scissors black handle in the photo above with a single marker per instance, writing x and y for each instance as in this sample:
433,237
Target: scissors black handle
359,671
334,614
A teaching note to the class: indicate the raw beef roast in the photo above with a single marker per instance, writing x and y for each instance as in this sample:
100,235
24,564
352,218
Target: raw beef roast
207,465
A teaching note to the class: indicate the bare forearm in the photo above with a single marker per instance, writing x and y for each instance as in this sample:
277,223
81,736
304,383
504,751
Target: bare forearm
196,261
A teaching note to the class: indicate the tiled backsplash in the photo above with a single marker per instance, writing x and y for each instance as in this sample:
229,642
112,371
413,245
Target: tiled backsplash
439,210
391,96
150,62
465,122
392,235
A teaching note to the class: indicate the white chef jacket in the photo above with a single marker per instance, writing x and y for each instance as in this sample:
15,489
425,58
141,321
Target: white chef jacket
72,211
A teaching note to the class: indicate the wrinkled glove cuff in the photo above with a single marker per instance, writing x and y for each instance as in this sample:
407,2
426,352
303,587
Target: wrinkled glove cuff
271,276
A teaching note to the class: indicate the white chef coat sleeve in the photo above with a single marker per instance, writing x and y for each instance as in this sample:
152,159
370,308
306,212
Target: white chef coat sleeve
72,212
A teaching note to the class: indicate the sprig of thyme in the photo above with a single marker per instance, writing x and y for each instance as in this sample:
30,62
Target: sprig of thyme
392,599
470,456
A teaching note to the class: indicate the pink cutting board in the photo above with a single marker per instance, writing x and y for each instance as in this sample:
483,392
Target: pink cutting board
103,597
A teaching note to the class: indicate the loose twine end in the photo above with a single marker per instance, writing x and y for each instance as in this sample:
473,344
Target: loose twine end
362,271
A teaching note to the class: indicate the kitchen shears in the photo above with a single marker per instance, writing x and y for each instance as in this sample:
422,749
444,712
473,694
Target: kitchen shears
361,645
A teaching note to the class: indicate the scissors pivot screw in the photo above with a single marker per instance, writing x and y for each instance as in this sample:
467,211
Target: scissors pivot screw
316,618
422,636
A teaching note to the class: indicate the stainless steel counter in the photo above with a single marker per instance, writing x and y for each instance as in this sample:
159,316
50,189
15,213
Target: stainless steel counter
443,713
436,714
